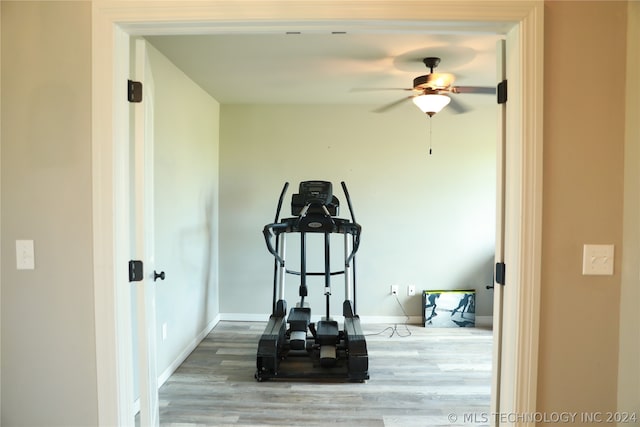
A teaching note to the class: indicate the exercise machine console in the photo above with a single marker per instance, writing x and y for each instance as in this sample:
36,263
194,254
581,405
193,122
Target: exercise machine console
293,346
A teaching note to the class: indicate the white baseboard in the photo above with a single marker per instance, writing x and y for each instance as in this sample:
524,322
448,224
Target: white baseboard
376,320
481,321
484,321
244,317
249,317
164,376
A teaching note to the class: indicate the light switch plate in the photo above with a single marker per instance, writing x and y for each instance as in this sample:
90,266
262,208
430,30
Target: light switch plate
597,260
25,258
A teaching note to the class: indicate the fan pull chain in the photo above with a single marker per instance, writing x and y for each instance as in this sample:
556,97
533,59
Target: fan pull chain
430,136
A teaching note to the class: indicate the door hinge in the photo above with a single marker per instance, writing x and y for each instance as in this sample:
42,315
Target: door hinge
134,91
500,272
135,271
502,92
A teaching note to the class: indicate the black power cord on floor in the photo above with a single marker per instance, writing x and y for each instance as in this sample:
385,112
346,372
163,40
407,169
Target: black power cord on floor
394,328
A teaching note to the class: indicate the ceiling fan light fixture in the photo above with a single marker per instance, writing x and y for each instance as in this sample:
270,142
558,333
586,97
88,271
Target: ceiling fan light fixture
431,103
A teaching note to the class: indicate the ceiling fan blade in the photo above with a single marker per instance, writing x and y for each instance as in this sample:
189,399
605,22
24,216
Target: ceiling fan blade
457,106
391,105
485,90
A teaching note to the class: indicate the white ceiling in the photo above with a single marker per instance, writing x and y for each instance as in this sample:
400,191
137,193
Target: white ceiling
326,68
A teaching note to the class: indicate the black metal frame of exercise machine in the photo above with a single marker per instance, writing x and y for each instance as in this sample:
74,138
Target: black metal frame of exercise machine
304,349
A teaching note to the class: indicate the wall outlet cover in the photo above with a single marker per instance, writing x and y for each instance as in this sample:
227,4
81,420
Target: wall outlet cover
25,256
597,260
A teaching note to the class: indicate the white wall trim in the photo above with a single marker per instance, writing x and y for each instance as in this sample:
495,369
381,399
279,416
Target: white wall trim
253,317
481,321
164,376
114,369
484,322
244,317
150,17
529,251
629,346
0,222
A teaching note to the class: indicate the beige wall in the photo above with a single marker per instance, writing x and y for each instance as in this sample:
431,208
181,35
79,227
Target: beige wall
427,220
186,208
48,336
582,203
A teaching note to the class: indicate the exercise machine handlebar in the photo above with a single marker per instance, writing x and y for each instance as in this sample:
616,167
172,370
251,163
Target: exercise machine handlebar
346,194
280,200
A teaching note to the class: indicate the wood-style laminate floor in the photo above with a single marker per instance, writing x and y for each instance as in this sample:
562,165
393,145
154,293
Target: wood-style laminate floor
419,377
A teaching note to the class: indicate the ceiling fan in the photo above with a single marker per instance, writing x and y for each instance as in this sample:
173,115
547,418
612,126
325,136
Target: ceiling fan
431,91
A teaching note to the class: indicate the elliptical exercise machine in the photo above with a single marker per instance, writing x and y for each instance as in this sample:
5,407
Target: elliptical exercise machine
304,349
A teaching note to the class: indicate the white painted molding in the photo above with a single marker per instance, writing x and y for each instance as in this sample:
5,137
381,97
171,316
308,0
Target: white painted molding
173,366
527,276
481,321
252,317
114,368
114,20
484,322
164,376
244,317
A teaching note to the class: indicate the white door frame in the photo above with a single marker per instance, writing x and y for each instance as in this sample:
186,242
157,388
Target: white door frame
113,24
496,372
143,193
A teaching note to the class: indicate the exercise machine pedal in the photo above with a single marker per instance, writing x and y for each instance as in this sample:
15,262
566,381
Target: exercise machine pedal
298,320
327,337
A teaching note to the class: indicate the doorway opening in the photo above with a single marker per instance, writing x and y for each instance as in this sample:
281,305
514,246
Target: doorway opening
524,231
416,212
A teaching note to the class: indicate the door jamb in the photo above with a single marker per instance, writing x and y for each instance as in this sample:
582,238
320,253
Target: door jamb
115,21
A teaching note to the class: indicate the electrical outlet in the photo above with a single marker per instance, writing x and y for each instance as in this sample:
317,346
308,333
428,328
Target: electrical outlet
164,331
394,289
25,259
411,290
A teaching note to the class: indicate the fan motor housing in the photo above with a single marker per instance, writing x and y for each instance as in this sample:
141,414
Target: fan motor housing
423,82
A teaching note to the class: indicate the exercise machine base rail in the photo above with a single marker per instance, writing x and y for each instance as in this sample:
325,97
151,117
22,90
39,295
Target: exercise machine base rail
277,360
